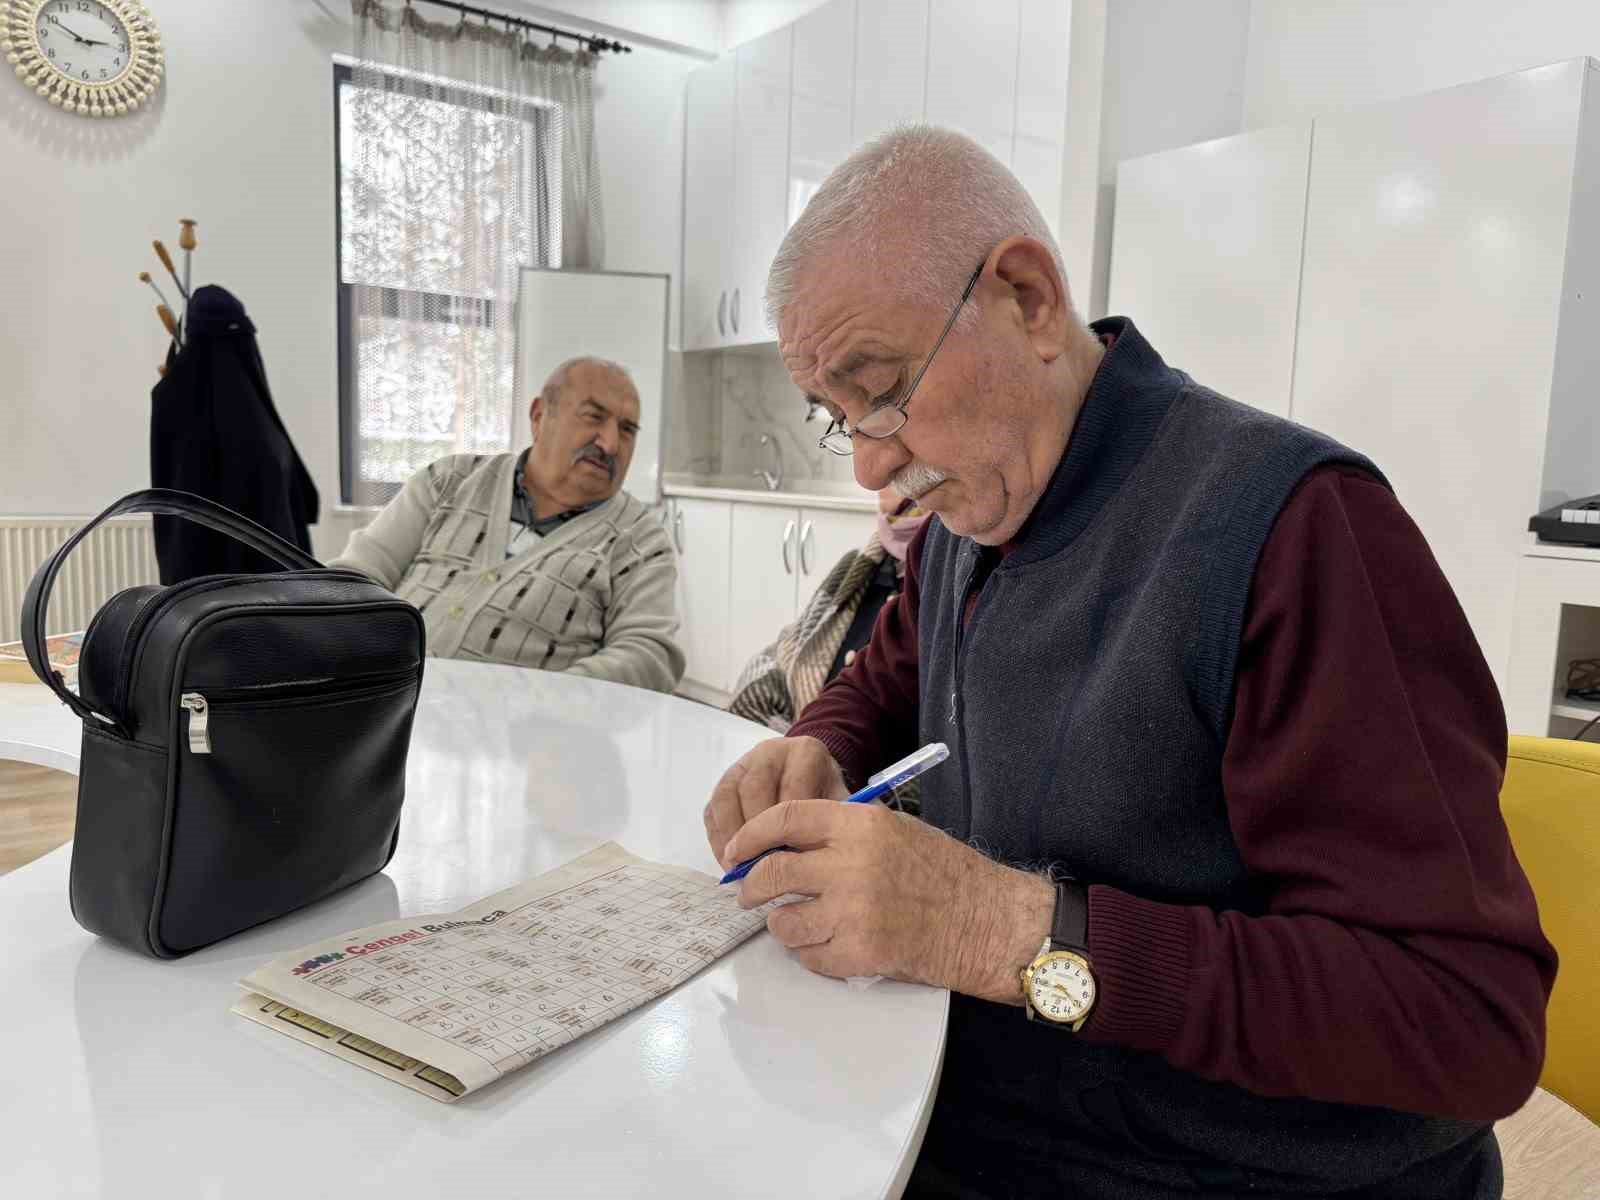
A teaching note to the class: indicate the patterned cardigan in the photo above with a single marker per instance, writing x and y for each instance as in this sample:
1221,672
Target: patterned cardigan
594,597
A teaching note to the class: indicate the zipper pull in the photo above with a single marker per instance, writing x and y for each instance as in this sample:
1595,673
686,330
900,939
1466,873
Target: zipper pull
199,715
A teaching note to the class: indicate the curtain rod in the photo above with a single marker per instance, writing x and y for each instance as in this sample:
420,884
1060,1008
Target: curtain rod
594,44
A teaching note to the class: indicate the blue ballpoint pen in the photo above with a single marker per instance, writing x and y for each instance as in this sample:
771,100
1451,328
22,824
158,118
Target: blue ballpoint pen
881,784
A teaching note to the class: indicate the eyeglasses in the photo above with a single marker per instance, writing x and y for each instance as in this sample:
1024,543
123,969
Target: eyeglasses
889,420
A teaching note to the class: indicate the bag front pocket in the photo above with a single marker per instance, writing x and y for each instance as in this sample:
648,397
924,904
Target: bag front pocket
284,794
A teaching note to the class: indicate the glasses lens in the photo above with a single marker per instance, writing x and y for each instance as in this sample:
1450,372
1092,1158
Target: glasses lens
838,442
881,422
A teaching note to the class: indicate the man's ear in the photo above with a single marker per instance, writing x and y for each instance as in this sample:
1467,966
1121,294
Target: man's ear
1038,292
536,412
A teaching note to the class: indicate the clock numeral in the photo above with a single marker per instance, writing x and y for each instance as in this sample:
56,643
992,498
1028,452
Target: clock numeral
102,72
66,66
84,75
116,62
52,52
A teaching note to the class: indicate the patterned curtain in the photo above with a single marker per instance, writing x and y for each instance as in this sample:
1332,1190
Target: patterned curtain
466,153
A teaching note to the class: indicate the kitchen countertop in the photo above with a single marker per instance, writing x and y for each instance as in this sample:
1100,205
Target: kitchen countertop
808,493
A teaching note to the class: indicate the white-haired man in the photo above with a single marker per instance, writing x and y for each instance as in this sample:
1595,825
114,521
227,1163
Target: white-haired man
539,558
1245,919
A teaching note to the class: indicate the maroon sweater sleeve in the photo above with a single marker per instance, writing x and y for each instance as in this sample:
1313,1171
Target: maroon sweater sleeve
867,714
1399,961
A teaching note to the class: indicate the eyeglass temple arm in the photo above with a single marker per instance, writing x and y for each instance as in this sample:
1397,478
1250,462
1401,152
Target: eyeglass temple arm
943,333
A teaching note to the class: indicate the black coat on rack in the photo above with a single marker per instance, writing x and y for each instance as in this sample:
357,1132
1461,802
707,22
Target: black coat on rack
214,432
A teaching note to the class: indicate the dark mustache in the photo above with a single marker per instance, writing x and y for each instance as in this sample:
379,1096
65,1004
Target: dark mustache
593,453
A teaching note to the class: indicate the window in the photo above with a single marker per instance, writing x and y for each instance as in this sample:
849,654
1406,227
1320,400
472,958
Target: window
444,192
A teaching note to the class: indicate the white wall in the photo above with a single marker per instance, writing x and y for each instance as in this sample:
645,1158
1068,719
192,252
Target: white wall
1307,59
240,138
744,20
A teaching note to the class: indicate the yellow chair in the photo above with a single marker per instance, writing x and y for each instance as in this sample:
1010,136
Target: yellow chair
1551,804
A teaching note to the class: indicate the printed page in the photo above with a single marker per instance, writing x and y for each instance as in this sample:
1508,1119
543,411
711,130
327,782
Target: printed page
447,1004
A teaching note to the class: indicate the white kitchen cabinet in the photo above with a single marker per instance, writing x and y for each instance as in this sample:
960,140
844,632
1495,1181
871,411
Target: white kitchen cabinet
1205,258
1451,239
702,535
763,70
767,123
972,70
780,556
819,119
707,205
891,57
762,589
824,536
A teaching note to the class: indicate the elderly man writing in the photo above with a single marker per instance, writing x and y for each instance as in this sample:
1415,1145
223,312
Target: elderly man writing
539,558
1216,870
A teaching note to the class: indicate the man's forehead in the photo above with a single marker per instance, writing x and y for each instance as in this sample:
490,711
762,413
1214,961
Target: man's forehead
604,388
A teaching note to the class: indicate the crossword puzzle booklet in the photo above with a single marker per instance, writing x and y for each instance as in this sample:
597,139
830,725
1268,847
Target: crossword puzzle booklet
446,1004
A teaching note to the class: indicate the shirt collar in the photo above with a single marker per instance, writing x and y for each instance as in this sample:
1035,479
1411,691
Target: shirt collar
522,509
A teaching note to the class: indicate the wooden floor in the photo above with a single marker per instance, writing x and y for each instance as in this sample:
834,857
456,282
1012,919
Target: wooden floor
1551,1151
36,811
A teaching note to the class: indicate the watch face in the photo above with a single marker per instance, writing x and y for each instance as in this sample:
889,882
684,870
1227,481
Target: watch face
1061,987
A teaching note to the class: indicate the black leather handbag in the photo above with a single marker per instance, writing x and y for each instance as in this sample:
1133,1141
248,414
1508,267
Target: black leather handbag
244,737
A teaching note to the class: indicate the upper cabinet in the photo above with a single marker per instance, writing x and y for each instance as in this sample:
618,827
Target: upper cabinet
768,122
891,57
819,107
972,71
764,70
707,205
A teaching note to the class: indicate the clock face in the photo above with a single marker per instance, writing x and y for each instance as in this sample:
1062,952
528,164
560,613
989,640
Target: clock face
1061,988
101,58
84,40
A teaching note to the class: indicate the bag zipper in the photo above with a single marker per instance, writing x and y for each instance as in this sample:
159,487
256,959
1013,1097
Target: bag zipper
133,640
271,695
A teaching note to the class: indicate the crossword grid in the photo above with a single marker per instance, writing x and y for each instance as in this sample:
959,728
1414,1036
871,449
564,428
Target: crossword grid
552,970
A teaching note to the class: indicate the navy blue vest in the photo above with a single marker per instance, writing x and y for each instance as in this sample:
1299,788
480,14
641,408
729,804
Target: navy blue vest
1087,705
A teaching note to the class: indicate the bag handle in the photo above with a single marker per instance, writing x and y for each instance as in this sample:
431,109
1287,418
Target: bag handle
166,502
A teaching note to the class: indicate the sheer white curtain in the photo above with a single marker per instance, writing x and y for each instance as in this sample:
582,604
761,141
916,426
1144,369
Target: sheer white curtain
466,152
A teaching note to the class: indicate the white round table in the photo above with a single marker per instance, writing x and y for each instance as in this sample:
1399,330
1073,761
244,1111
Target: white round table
128,1077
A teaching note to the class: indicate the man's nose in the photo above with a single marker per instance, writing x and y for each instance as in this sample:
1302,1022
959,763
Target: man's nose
609,438
877,459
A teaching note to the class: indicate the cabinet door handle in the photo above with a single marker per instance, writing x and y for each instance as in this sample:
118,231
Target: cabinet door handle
788,532
806,531
677,528
733,311
722,309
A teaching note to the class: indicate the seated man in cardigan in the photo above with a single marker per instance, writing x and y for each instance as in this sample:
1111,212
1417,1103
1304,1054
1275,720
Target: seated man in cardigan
1215,873
539,558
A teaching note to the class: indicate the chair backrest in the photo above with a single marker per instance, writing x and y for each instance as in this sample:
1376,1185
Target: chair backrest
1551,804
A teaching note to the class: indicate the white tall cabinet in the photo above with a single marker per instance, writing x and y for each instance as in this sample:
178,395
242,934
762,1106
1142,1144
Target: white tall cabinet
1445,299
1448,254
1205,257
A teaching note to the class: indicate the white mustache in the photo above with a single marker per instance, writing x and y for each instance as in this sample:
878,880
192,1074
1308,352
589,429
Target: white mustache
917,479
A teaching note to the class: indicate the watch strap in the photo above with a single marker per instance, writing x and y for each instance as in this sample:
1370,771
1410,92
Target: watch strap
1069,925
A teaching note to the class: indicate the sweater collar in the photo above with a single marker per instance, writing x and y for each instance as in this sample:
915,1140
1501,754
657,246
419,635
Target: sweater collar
1128,398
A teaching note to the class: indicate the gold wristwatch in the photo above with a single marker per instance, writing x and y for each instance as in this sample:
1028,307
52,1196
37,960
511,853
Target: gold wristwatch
1058,986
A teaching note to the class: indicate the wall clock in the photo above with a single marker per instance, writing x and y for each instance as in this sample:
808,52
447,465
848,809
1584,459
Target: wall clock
100,58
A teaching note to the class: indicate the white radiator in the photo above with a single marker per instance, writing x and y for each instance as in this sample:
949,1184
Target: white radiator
119,554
